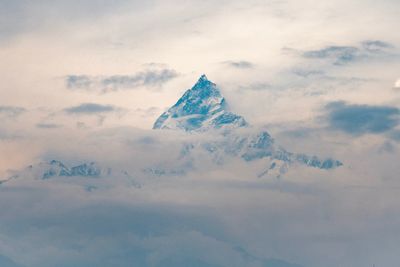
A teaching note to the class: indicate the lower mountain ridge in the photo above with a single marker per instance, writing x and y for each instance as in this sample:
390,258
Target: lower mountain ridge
90,175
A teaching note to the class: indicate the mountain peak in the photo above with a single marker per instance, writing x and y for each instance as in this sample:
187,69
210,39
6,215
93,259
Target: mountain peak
203,81
203,77
200,108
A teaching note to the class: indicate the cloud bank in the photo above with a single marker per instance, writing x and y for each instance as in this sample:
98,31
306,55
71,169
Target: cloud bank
151,78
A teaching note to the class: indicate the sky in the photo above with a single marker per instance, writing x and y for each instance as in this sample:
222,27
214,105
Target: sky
86,80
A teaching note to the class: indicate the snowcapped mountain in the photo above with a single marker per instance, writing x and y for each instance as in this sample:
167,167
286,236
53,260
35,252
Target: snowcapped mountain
212,134
91,175
201,108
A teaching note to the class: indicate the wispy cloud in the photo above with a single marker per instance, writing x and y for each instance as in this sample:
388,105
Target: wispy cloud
362,119
148,78
387,147
242,64
78,81
258,86
305,73
339,54
11,111
90,108
376,45
48,125
5,134
342,55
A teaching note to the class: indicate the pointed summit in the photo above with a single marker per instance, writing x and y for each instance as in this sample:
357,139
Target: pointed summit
203,80
203,77
200,108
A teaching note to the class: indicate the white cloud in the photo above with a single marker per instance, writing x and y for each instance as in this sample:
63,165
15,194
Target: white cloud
397,84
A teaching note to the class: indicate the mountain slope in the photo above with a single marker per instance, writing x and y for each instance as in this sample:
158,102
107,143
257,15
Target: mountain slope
201,108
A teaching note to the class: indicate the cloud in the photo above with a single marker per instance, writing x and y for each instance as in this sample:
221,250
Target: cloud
90,108
239,64
339,54
257,86
78,81
148,78
397,84
148,112
312,76
387,147
395,135
11,112
362,119
6,262
113,229
81,125
5,134
306,73
375,45
342,55
48,125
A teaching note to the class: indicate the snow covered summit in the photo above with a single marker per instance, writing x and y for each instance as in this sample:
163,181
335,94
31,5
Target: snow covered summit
200,108
203,108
